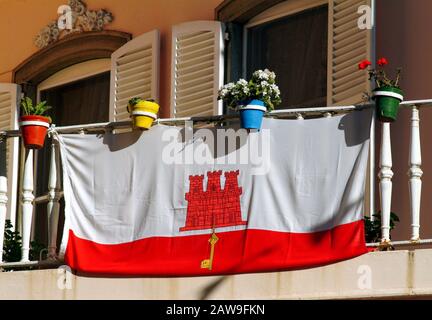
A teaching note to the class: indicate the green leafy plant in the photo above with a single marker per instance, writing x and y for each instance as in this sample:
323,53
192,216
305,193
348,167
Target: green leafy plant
373,228
262,86
28,108
134,101
12,246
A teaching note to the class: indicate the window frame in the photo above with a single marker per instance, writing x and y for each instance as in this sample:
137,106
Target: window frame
74,73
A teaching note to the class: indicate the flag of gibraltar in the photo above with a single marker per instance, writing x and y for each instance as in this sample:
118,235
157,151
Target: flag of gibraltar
177,201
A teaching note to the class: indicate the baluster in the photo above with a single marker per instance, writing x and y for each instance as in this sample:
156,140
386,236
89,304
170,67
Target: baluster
27,205
3,210
3,191
415,173
372,169
53,205
385,176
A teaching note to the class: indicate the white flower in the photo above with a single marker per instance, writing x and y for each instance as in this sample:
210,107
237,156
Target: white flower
229,86
275,89
223,92
261,86
271,75
242,82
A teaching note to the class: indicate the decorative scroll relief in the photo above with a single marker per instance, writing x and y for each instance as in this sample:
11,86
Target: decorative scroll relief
74,18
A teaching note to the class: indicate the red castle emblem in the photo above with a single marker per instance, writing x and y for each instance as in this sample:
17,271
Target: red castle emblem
215,207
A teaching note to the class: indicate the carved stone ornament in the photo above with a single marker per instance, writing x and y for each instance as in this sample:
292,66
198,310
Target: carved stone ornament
80,20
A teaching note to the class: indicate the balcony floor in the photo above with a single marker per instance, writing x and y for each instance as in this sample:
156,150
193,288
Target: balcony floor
393,274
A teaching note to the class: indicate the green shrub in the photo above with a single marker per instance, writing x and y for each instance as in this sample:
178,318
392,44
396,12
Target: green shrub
12,246
373,228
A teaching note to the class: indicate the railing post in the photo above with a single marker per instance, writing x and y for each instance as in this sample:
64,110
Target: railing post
53,206
3,191
385,175
415,173
372,181
3,210
27,205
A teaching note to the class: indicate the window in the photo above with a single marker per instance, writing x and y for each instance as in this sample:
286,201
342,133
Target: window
295,48
314,47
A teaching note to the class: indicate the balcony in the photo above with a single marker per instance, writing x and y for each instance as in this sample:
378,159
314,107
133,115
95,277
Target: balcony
394,269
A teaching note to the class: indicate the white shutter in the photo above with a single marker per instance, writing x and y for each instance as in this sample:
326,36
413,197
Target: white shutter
134,72
10,95
348,45
196,68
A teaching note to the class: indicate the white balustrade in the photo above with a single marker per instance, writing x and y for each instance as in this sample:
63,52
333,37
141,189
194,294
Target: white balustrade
53,206
372,169
27,205
415,173
3,210
385,175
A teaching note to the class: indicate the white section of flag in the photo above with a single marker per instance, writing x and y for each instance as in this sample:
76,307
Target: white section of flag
118,189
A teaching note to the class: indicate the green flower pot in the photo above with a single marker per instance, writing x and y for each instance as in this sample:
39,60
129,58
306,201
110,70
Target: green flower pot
387,100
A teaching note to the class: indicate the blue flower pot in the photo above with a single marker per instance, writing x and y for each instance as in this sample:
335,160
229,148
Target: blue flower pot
251,114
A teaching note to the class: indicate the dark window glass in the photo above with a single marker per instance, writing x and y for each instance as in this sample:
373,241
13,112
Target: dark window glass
295,48
81,102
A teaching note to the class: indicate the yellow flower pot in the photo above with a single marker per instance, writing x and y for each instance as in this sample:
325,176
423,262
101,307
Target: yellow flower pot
144,113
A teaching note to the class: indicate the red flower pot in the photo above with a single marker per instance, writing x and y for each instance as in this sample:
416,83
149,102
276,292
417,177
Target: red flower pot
33,131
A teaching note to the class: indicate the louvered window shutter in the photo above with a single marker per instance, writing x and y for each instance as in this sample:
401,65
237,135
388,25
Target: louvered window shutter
9,111
134,73
348,45
196,68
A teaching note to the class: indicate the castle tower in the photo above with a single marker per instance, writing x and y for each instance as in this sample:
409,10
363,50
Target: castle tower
214,207
213,183
231,205
195,198
213,198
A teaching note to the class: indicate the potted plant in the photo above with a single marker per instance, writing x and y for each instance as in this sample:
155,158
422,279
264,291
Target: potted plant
252,98
143,112
33,123
387,94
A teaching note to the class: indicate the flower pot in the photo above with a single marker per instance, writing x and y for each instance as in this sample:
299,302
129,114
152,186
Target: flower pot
33,131
251,114
144,113
387,100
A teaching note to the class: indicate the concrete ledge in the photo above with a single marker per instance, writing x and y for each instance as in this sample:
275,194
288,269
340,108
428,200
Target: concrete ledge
395,274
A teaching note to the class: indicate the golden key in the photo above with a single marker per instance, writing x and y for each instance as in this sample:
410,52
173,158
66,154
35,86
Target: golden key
208,263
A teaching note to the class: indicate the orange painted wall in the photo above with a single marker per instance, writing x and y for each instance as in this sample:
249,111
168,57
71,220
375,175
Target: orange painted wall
21,20
403,36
